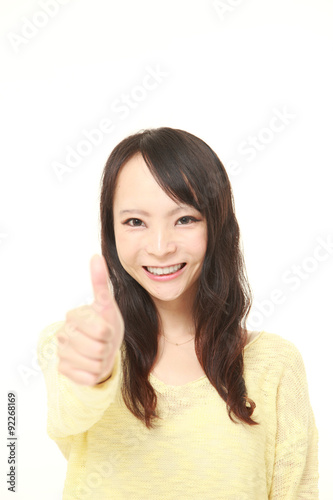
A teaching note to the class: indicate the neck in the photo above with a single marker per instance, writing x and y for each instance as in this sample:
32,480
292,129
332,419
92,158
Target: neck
176,319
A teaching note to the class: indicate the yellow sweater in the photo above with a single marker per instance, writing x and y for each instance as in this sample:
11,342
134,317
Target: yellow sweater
197,452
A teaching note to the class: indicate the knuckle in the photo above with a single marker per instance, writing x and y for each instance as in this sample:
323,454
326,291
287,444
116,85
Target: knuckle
70,314
70,330
99,350
64,338
101,332
91,377
98,368
61,341
94,379
87,313
62,368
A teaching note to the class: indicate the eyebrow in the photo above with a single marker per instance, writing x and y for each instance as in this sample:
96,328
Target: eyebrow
147,214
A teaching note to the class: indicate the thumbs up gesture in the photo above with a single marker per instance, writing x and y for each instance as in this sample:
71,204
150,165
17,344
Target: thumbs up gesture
92,334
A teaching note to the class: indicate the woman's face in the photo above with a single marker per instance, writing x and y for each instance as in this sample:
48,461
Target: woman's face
154,233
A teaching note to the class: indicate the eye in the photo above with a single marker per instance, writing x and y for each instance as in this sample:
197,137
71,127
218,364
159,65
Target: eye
186,219
136,222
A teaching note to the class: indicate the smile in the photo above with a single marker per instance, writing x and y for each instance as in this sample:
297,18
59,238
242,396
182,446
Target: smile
159,271
164,273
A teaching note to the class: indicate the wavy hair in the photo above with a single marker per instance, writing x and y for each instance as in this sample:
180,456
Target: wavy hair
188,171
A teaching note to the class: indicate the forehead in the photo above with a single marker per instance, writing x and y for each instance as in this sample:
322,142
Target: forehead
136,183
134,170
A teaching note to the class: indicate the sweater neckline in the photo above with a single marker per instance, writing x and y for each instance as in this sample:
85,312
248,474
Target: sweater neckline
254,340
200,380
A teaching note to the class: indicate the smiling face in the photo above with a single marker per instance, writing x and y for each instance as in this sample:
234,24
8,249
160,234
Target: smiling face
155,235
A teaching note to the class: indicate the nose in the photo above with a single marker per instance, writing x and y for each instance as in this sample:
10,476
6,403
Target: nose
160,243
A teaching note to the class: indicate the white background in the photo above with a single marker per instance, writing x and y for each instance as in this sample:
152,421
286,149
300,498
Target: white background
226,73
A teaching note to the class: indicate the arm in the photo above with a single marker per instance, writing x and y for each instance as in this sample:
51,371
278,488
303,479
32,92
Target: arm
72,408
295,475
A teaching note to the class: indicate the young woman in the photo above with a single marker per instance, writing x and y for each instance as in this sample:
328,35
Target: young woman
161,391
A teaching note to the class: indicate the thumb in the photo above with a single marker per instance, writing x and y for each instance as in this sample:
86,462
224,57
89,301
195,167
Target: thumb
103,299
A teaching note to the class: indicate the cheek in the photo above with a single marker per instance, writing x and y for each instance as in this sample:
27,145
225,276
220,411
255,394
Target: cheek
198,244
126,249
121,246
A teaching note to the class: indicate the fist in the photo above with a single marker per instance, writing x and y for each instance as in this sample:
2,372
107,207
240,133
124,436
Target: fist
92,334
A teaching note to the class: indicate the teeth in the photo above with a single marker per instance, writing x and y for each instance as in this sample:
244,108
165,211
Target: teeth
165,270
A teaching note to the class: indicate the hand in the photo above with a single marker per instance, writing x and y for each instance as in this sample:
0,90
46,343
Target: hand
92,334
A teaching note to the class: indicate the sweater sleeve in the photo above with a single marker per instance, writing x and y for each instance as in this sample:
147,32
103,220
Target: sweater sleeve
72,408
295,474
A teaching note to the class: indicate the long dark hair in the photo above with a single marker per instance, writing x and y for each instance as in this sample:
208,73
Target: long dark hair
189,171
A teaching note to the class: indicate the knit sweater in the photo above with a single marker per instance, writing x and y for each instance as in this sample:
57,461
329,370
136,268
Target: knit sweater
196,452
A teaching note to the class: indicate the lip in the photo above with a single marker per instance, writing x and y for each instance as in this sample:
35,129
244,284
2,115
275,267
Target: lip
166,277
168,265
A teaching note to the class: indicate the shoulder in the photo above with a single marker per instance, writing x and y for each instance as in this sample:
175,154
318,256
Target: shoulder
266,342
274,366
272,351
